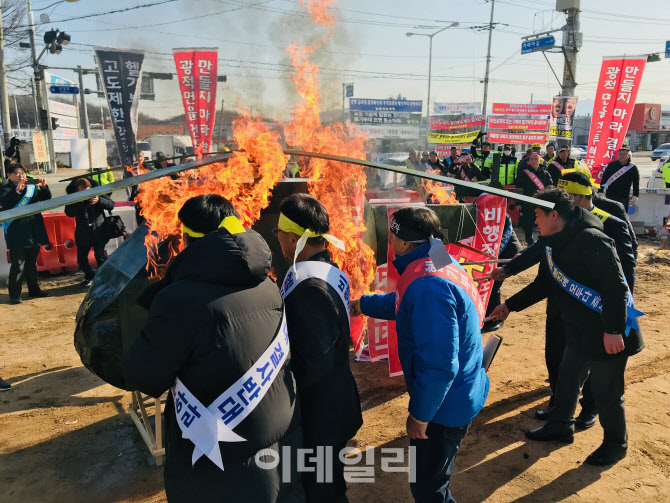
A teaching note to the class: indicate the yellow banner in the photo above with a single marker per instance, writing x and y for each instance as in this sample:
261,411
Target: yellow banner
452,138
40,147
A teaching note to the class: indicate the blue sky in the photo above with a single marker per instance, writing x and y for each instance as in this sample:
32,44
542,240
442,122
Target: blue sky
369,47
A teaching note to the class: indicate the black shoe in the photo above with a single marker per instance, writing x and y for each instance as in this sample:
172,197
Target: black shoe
562,432
606,454
492,325
38,295
86,282
4,385
585,420
542,414
15,301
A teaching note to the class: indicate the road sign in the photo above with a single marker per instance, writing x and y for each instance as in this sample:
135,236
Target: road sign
64,90
667,49
538,44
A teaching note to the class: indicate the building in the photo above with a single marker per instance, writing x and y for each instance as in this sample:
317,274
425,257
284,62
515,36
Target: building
649,127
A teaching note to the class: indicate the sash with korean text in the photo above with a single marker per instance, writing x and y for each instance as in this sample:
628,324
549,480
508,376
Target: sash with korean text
617,175
30,192
535,179
207,426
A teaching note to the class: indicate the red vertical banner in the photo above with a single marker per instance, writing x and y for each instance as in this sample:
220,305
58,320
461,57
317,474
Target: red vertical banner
378,329
197,73
618,85
392,277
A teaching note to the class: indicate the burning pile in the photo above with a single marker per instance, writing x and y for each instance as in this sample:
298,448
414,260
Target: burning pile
436,191
248,177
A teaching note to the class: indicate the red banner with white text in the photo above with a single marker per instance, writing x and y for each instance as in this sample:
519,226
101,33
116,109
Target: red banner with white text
197,73
525,124
444,149
618,85
441,124
521,108
489,230
517,138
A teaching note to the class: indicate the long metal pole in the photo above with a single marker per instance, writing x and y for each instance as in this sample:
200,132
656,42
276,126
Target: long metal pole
488,59
430,68
570,49
4,96
220,124
16,109
83,110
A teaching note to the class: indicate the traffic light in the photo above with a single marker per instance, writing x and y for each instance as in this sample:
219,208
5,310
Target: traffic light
45,124
653,58
55,40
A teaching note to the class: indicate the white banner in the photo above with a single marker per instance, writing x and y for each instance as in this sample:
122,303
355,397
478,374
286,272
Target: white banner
471,108
56,107
382,132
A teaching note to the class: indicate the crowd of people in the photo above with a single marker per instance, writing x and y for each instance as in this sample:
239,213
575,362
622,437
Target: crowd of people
274,363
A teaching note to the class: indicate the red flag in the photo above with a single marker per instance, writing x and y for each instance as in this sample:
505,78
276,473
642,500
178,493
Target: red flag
197,73
619,82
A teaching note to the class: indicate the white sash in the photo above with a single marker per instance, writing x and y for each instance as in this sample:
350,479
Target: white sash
618,175
321,270
207,426
535,179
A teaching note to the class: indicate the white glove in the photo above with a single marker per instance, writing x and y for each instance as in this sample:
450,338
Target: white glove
633,199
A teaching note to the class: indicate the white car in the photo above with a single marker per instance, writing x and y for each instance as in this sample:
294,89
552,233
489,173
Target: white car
661,151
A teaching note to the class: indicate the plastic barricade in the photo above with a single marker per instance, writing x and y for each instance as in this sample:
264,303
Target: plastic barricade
48,259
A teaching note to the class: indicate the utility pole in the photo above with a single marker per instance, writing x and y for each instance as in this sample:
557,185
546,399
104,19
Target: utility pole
220,124
488,59
83,110
572,41
4,96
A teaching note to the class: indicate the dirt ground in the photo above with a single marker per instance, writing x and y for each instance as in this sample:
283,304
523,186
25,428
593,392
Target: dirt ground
66,435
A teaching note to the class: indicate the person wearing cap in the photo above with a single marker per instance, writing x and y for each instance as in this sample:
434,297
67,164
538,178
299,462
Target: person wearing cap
162,161
562,162
531,180
580,269
536,148
509,165
618,178
439,345
317,313
216,338
551,153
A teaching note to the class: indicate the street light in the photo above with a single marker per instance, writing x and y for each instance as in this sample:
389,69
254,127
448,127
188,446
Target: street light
430,60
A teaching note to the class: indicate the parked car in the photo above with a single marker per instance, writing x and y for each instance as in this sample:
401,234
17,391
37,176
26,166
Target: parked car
660,151
578,152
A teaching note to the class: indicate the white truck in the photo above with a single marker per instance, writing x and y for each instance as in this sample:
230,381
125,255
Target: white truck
170,145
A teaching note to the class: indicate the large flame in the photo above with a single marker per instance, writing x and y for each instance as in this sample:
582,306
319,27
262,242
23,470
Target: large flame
436,191
248,177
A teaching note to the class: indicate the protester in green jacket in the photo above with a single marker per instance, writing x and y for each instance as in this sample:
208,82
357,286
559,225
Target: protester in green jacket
101,178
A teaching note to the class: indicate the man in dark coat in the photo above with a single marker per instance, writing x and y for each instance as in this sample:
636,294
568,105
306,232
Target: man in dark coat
577,251
89,216
618,178
560,163
434,162
531,179
25,235
317,314
216,337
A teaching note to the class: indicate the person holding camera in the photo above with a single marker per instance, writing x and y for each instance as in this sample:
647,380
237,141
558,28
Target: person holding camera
25,235
89,217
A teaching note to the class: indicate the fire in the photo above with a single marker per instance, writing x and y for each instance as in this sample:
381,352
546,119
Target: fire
248,177
437,191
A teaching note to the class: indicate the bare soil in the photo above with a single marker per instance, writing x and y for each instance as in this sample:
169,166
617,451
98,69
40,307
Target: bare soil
66,435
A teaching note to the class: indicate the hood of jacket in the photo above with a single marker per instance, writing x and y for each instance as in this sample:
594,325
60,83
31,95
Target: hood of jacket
242,259
579,220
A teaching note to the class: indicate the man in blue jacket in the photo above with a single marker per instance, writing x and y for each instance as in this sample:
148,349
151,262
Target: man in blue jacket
439,344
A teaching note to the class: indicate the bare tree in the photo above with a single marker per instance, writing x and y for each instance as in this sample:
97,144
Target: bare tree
15,27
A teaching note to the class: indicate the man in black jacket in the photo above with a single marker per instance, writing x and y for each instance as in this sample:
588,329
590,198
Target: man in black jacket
24,236
531,179
216,336
316,298
89,216
434,162
560,163
595,320
618,178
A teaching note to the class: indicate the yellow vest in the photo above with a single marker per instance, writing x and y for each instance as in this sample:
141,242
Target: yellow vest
666,172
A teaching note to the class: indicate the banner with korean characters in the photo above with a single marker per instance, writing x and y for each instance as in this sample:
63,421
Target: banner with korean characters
441,124
197,73
619,82
517,138
40,147
452,138
387,118
521,108
486,241
121,75
471,108
520,124
390,132
375,105
562,114
444,149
